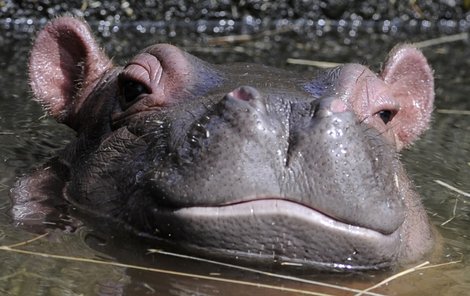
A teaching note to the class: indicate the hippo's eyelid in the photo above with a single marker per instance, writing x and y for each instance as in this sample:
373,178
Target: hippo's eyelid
125,77
131,90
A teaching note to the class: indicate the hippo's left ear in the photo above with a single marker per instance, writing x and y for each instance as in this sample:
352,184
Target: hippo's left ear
411,83
65,64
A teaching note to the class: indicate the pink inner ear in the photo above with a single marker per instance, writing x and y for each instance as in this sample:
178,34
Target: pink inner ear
64,61
411,83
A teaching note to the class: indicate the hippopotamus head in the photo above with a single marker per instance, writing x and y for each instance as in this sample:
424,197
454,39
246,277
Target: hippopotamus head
236,160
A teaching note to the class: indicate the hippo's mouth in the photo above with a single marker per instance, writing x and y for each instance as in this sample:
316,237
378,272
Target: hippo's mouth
275,206
279,230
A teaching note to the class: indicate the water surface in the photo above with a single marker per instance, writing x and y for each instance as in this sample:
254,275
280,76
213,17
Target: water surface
28,138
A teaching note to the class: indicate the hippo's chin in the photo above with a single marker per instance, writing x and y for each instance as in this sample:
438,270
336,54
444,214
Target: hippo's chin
279,231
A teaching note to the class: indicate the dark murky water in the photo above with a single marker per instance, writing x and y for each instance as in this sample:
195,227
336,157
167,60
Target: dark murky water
27,139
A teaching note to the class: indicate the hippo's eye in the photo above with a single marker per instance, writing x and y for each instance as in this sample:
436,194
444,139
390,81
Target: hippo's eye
131,91
386,115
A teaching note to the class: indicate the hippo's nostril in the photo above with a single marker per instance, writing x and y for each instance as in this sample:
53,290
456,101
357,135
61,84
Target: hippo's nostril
337,106
328,106
245,99
245,93
322,113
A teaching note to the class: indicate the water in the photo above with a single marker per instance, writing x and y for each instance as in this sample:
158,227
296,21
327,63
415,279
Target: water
27,139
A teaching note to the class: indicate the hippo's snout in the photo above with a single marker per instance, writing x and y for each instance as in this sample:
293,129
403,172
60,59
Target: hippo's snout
313,152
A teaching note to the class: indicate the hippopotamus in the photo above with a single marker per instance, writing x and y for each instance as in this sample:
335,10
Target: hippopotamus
239,160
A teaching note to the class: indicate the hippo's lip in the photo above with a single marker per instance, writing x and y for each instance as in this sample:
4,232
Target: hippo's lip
263,229
278,206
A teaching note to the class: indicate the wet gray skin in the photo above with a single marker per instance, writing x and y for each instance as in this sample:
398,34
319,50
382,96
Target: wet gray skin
235,161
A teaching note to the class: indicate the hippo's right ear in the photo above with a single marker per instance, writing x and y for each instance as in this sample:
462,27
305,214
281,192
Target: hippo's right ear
65,64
